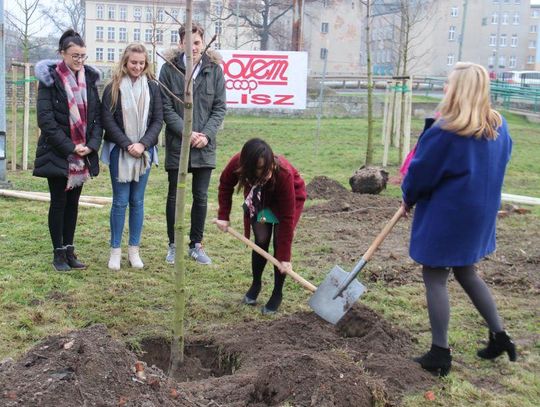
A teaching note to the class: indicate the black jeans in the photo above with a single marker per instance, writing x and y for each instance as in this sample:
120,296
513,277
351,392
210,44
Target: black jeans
63,212
199,189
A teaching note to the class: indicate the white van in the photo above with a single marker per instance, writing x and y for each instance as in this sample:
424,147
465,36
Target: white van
523,78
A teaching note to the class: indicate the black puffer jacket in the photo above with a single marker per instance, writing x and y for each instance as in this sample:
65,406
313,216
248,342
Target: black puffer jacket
113,121
54,144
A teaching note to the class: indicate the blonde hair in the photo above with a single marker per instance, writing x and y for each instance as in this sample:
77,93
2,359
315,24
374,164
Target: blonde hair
466,107
121,70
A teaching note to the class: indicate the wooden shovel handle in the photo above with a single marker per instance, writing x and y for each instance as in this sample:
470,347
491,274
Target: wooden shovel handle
295,276
382,235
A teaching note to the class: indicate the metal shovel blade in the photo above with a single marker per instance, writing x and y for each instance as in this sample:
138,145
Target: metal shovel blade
322,302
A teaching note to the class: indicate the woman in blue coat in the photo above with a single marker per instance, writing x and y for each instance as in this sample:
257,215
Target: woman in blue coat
455,181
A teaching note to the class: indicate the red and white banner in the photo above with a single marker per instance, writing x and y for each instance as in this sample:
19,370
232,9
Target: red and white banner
265,79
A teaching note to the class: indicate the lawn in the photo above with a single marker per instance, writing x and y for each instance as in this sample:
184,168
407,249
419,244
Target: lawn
37,302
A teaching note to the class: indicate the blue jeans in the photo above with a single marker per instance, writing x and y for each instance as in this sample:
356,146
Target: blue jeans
125,193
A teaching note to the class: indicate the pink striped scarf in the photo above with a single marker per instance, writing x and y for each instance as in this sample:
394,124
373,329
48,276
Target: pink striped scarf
78,171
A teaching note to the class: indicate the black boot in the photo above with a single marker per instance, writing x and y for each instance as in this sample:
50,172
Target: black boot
499,342
251,296
438,360
272,305
72,258
60,262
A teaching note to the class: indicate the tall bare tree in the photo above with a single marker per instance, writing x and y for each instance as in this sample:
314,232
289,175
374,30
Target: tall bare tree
66,14
369,148
23,19
261,17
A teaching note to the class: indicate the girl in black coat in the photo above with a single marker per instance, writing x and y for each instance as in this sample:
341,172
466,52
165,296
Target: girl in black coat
68,114
132,118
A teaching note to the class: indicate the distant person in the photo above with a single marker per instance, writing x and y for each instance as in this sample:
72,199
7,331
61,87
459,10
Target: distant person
132,117
274,194
68,114
209,106
455,180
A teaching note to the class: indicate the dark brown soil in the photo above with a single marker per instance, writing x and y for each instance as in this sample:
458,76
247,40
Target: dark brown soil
299,359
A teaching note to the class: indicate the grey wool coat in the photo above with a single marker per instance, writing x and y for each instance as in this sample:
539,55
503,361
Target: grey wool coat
209,107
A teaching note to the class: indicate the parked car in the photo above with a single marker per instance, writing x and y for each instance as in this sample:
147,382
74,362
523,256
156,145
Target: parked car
522,78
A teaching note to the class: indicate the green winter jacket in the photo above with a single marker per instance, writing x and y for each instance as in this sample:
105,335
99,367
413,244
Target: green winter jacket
209,107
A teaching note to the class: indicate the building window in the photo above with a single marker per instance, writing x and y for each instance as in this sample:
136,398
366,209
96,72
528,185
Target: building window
122,34
174,13
450,60
110,54
502,40
517,1
530,59
324,53
99,33
502,62
454,12
532,44
325,3
111,12
99,54
514,40
534,29
512,62
493,40
99,11
160,15
148,14
494,18
110,34
491,61
515,19
137,35
123,13
174,37
148,35
159,36
120,53
535,13
218,7
452,33
324,28
218,27
504,19
217,45
137,13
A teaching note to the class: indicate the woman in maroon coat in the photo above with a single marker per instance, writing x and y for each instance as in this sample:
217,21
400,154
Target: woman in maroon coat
274,196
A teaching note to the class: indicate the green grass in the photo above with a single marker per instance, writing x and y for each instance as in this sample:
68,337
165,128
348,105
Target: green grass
36,302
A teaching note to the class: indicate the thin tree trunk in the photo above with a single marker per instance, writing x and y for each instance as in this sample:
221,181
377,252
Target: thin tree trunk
369,148
177,345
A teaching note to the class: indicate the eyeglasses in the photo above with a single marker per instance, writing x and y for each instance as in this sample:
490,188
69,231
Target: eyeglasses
79,57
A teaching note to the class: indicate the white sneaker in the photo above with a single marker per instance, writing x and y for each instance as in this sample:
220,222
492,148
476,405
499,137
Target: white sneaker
171,253
114,260
134,258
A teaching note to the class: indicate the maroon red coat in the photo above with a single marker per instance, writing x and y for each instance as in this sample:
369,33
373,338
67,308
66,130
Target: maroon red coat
286,201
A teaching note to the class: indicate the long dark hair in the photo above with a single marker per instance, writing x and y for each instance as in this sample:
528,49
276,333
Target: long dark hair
252,151
70,37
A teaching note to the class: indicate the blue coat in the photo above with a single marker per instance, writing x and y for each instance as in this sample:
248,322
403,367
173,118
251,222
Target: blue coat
456,184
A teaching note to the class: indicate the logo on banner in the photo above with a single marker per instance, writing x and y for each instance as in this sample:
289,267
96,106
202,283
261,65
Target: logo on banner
247,72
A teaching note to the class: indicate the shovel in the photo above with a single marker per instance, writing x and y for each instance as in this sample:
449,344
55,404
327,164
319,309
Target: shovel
340,290
295,276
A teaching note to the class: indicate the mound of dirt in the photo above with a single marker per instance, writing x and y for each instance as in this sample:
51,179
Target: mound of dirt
85,367
297,359
325,188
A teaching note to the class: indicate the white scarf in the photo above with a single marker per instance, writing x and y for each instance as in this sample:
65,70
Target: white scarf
135,99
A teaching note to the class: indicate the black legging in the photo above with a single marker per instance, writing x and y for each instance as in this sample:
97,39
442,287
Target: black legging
62,212
263,234
199,190
438,303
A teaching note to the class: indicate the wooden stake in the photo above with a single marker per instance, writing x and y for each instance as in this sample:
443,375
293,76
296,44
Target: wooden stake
14,118
26,119
33,197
